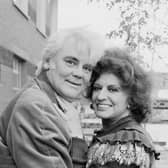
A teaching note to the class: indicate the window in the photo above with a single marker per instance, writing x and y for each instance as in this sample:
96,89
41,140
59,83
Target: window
51,17
22,5
0,73
46,15
41,16
32,10
17,72
43,13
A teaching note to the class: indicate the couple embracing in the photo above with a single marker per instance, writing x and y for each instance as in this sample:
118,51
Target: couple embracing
40,127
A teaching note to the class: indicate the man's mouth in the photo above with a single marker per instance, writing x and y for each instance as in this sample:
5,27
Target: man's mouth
74,83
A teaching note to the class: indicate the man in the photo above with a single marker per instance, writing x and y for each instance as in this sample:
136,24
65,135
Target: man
38,126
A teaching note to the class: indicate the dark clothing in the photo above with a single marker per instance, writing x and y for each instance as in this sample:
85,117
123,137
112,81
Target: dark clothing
121,144
79,153
33,133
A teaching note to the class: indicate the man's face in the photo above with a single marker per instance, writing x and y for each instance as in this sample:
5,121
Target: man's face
72,70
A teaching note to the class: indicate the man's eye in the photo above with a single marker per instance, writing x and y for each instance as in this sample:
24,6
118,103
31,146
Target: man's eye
70,62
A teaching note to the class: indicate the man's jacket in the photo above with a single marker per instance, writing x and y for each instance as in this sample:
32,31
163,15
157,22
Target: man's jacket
33,133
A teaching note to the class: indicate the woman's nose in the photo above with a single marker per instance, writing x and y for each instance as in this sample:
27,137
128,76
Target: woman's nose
102,94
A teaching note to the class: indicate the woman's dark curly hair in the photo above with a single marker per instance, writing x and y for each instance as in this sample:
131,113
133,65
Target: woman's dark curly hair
133,79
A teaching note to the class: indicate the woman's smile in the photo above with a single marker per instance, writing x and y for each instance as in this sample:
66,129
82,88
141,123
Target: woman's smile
108,97
103,106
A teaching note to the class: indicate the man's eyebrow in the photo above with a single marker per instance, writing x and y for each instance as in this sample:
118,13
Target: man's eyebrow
71,57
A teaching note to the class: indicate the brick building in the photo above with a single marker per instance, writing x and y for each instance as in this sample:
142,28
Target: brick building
25,24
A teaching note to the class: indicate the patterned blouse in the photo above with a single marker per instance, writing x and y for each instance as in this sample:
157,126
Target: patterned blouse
124,145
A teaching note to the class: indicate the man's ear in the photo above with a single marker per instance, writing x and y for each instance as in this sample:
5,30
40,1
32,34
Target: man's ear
51,65
46,66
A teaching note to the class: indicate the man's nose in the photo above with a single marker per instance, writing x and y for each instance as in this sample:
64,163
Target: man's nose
78,72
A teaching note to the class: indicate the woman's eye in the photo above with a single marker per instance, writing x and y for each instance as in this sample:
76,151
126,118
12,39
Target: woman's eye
112,89
88,69
96,88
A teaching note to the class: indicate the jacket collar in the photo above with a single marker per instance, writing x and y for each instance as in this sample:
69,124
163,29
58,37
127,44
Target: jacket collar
44,84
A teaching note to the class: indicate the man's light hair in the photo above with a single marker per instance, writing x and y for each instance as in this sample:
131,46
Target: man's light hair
94,41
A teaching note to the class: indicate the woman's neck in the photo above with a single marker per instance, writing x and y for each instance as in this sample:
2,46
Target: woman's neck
107,123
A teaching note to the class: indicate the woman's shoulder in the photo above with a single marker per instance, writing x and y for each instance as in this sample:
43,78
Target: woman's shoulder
119,153
134,133
130,145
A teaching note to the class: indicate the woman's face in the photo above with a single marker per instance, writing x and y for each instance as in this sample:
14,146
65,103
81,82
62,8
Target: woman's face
72,69
108,98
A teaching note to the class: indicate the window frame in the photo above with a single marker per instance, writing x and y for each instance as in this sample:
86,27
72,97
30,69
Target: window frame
0,73
17,68
22,6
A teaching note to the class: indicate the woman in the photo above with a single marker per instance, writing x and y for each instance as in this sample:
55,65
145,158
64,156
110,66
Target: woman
40,127
120,92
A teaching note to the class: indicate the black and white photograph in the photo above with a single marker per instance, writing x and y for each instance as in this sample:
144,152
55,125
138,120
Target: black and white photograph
83,83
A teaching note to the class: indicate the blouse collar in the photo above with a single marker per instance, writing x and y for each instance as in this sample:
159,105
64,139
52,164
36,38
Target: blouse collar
110,125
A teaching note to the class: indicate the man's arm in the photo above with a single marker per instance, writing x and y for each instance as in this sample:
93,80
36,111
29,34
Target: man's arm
36,137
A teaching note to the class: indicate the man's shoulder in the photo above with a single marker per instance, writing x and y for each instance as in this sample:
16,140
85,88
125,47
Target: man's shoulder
32,94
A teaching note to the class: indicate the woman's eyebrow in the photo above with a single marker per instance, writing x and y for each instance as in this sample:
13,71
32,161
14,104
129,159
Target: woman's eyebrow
96,84
115,86
89,65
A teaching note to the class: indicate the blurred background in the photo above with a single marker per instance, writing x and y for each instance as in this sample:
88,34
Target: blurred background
140,25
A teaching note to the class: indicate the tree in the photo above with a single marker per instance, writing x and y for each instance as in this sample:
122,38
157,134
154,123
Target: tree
143,24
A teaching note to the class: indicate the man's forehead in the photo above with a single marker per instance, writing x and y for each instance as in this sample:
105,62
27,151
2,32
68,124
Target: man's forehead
78,45
84,60
79,50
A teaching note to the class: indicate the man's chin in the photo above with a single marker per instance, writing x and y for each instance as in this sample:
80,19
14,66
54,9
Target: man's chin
74,96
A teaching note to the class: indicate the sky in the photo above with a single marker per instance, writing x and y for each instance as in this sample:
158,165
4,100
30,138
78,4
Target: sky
80,13
96,17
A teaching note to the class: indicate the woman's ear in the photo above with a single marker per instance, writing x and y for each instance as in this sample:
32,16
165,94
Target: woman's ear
129,103
128,107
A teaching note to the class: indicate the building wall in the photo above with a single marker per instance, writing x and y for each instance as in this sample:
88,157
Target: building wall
20,40
19,34
11,81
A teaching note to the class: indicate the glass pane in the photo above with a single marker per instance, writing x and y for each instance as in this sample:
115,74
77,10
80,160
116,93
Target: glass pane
32,10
